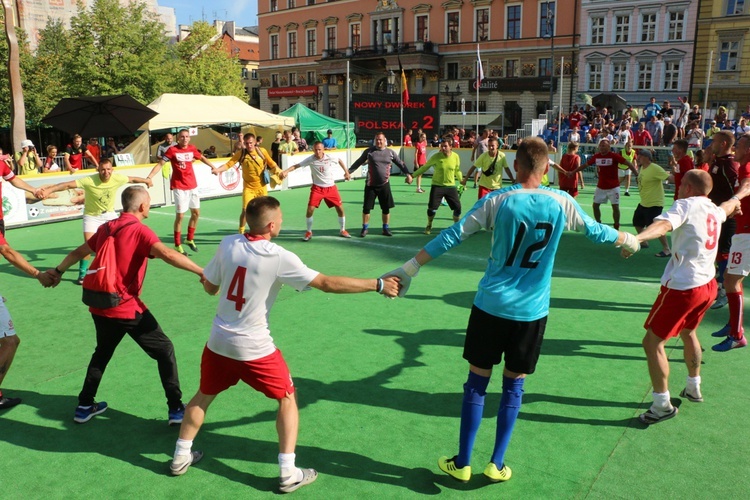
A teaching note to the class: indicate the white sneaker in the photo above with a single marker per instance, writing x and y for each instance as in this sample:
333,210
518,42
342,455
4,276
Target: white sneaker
308,476
179,467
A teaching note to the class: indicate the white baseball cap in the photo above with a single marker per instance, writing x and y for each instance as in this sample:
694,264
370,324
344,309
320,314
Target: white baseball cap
27,144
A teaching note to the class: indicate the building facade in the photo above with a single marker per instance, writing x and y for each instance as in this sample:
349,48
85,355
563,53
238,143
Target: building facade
723,28
306,48
637,49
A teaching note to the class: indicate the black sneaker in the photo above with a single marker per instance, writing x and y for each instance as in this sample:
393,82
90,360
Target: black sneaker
387,232
192,245
627,194
363,233
6,403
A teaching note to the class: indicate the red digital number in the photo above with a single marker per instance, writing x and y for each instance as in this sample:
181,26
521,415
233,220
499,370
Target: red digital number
428,120
713,232
237,288
433,101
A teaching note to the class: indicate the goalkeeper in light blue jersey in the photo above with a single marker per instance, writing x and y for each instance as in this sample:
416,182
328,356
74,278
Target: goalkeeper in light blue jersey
510,308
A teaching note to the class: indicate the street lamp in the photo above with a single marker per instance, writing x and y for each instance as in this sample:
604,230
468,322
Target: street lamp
452,95
551,34
391,81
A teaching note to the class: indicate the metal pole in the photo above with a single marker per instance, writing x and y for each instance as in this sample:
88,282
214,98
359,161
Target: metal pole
559,111
550,25
348,96
708,82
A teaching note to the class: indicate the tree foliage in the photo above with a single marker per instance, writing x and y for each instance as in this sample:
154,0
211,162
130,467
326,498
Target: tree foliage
113,49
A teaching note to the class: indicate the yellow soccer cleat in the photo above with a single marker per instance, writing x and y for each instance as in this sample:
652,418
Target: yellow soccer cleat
495,475
448,465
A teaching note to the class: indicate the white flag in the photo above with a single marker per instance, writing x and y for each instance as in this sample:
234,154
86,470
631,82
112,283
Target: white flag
480,71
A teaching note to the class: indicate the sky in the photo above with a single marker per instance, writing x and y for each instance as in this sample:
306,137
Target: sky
243,12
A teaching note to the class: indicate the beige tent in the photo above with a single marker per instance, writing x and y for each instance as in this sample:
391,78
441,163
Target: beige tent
186,110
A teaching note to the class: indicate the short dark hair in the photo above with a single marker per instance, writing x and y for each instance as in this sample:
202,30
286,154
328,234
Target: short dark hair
257,209
248,136
681,143
105,160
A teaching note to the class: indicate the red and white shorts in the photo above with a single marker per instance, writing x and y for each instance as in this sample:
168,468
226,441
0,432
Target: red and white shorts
739,255
676,310
269,374
329,194
6,322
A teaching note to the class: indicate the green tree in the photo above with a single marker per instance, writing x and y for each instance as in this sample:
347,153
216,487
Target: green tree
116,49
202,65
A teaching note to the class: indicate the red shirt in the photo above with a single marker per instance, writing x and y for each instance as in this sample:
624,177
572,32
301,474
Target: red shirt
407,140
95,151
743,220
724,174
75,156
683,165
7,174
569,162
574,119
183,175
420,153
607,167
133,246
642,138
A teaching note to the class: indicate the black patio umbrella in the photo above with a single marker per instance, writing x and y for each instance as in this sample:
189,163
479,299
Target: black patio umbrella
98,116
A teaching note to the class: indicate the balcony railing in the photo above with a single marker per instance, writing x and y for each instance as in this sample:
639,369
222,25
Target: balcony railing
378,50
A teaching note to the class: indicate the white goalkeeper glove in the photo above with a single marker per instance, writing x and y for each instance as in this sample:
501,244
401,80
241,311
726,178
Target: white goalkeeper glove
405,273
630,244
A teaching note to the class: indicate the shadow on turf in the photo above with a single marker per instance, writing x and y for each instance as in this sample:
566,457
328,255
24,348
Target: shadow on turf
131,439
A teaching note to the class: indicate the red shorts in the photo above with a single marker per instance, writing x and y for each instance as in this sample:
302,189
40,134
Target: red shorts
676,310
329,194
571,191
483,191
268,375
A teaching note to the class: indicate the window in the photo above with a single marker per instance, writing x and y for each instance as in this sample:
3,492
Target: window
275,80
274,46
672,75
482,106
622,29
619,75
292,3
274,5
331,37
597,30
332,109
275,109
648,27
511,68
454,24
513,30
355,35
423,29
452,71
243,74
546,19
729,55
254,74
595,76
311,48
310,2
311,77
483,25
545,67
255,93
292,79
645,70
292,45
676,26
735,7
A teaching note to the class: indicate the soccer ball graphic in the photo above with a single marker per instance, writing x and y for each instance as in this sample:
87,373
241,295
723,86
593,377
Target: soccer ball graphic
33,211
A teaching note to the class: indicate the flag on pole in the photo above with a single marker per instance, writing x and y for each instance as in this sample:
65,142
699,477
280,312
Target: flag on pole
404,88
480,70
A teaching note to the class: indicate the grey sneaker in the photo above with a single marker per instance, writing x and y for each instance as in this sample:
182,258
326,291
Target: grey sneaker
308,476
721,299
181,464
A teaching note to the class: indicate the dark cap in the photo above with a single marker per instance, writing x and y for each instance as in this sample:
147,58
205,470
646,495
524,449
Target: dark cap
329,131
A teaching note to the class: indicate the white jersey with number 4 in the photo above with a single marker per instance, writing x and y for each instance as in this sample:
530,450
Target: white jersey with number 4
696,225
323,171
250,273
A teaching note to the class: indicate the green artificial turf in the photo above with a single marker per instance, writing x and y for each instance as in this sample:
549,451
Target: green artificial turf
379,381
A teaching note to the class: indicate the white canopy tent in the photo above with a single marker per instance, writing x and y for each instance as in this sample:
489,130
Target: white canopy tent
187,110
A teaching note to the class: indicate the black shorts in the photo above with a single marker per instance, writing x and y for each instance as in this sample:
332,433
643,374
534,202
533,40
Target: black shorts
2,226
450,194
382,193
489,337
728,228
644,216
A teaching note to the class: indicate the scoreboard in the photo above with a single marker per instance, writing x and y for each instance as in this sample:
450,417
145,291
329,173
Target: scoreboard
373,113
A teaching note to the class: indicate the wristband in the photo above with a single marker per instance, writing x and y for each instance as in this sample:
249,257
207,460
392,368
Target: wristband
57,270
735,197
411,268
379,287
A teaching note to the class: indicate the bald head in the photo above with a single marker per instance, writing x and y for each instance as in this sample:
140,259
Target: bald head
699,181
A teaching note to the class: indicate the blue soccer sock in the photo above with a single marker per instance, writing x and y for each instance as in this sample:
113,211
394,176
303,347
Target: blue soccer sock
365,226
510,405
385,226
722,266
471,416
